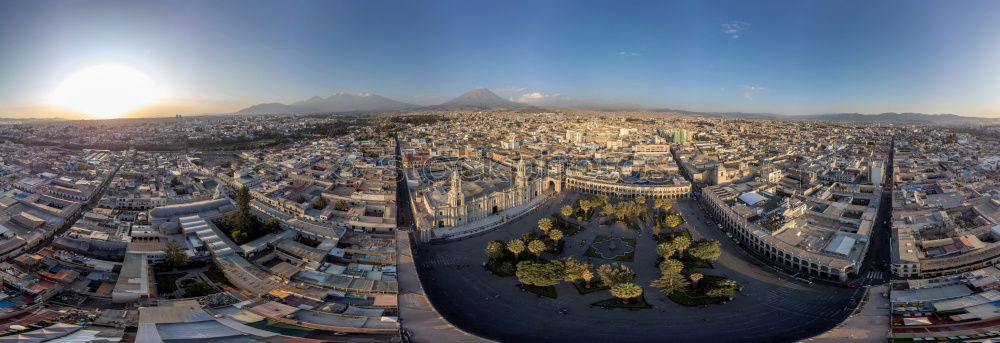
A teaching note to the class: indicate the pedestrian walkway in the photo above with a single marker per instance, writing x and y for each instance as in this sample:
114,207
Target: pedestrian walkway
870,324
874,275
420,320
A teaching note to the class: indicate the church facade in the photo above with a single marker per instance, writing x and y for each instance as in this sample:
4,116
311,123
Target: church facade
461,209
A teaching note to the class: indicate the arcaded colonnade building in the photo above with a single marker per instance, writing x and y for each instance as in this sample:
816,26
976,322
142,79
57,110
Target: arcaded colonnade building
764,243
675,188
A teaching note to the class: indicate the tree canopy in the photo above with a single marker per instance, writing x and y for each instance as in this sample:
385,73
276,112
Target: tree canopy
681,243
494,249
612,274
567,210
706,249
515,246
545,224
537,247
665,249
555,235
626,291
542,274
671,266
175,255
575,269
670,282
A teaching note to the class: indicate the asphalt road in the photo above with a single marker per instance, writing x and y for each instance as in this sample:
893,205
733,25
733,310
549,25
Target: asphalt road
771,307
875,269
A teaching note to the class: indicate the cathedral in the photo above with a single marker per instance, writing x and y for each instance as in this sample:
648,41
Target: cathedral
461,205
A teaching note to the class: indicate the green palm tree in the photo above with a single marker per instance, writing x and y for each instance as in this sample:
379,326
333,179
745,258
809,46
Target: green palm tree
545,224
555,235
515,246
567,211
536,247
665,249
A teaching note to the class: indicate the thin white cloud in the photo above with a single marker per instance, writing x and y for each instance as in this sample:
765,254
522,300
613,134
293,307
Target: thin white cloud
629,54
734,29
536,97
750,91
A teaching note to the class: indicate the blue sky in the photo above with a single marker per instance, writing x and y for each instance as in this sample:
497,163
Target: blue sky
788,57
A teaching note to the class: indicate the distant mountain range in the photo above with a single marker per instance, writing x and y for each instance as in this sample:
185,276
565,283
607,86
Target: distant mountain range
367,102
340,102
482,98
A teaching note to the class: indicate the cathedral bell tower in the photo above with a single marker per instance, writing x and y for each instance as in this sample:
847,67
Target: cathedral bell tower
456,197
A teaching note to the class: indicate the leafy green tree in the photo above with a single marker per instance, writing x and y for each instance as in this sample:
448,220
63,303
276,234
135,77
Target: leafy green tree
537,247
575,269
300,198
175,182
515,246
609,211
665,249
528,236
705,249
545,224
612,274
641,200
555,235
681,243
670,266
673,220
669,283
626,291
567,211
272,225
174,255
542,274
242,222
665,204
319,203
495,249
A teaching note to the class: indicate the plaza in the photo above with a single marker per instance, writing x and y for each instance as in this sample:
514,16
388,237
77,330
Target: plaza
771,307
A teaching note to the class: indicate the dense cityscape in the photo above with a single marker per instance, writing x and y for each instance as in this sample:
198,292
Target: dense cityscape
400,224
499,171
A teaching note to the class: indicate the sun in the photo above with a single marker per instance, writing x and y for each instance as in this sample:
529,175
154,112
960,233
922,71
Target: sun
105,91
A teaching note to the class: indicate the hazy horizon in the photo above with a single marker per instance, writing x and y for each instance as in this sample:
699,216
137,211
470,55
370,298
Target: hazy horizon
788,58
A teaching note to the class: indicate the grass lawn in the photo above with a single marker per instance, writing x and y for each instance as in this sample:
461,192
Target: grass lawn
687,300
639,303
567,228
166,283
694,295
497,267
594,287
668,236
548,292
692,263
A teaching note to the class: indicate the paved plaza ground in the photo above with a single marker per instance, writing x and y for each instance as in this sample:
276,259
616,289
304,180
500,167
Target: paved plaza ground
771,307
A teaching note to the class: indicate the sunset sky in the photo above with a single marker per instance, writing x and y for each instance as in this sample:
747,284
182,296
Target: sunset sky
790,57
